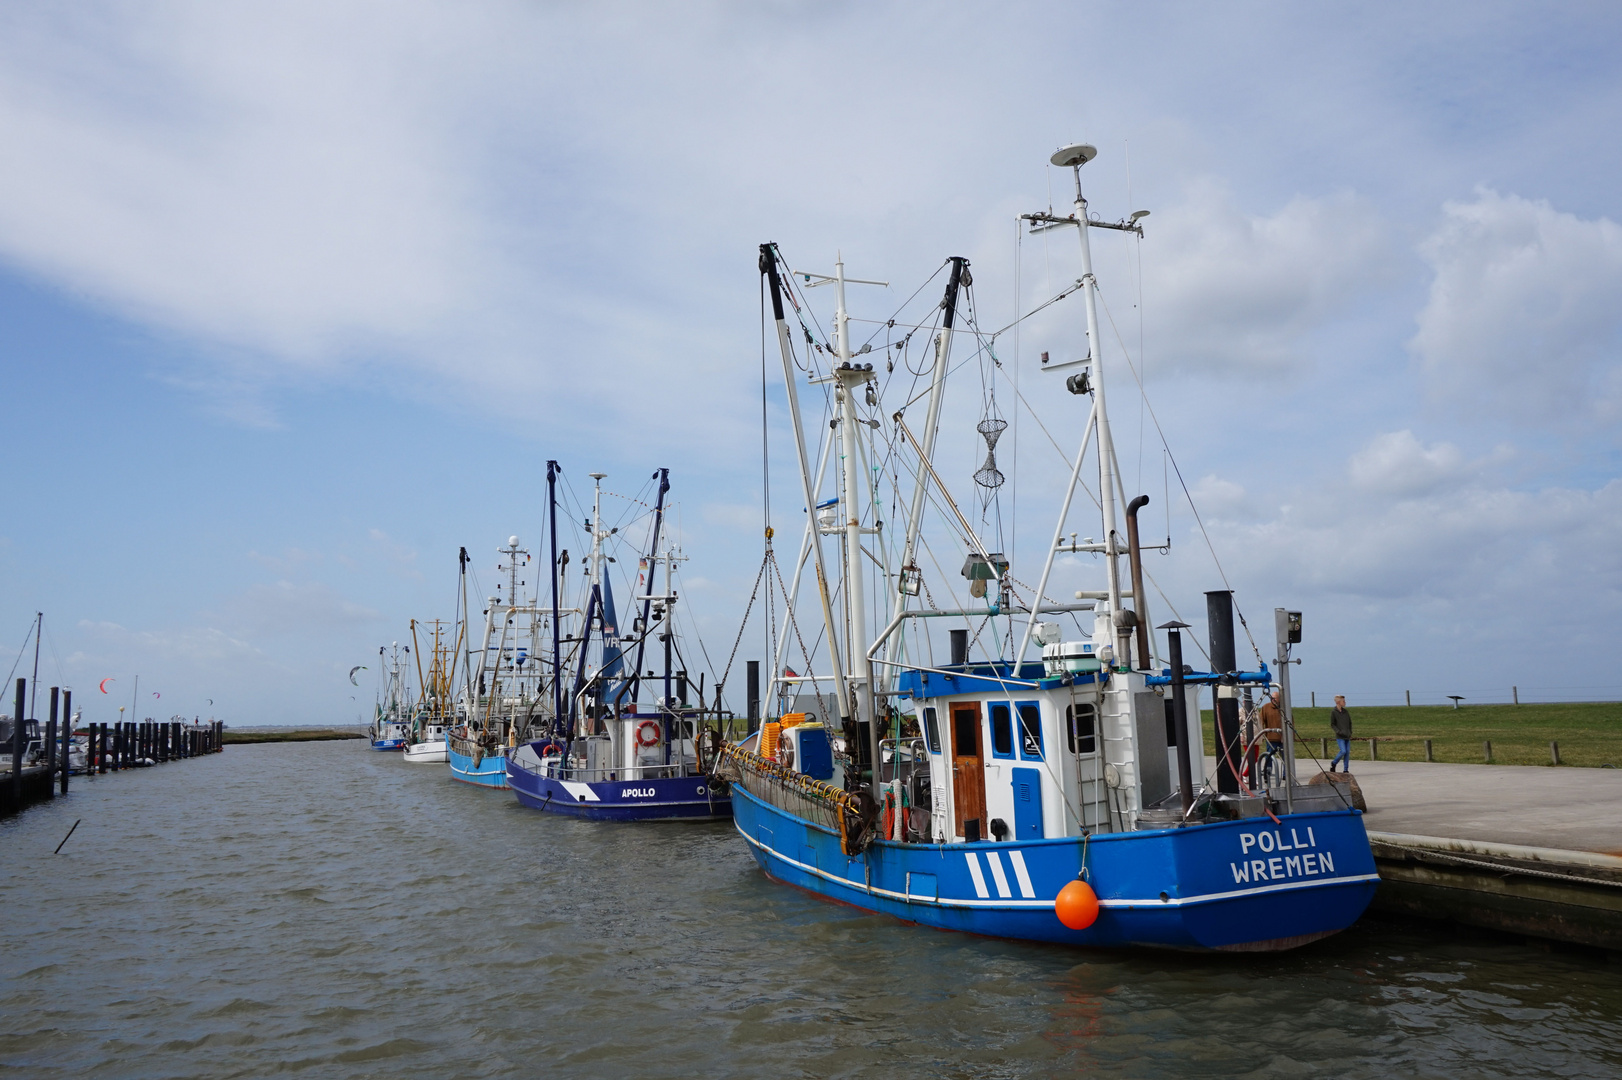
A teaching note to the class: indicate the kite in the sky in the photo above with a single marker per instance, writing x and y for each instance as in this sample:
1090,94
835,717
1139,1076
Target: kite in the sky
104,683
211,701
357,667
156,694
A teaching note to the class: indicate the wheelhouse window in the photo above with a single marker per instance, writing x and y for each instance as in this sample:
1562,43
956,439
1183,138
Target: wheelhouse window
1081,728
932,731
1030,730
1002,731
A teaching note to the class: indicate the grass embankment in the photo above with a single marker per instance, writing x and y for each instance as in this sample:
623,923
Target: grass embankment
290,735
1589,733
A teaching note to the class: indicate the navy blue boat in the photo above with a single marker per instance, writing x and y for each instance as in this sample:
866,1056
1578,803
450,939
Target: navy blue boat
613,758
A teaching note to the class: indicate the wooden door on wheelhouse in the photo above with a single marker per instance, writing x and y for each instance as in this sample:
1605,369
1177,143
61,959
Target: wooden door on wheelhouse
968,771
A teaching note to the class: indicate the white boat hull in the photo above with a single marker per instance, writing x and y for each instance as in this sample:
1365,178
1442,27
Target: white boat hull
428,753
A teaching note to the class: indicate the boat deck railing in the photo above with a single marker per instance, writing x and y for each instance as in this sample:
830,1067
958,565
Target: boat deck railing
803,796
551,769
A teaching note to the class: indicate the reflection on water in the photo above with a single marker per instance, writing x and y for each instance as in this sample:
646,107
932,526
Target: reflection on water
320,908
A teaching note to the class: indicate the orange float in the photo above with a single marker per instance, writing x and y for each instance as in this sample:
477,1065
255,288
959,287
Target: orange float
1076,905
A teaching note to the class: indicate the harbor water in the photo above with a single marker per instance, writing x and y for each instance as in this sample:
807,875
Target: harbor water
326,910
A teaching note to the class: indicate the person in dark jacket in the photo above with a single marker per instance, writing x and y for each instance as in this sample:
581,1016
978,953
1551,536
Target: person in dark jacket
1340,722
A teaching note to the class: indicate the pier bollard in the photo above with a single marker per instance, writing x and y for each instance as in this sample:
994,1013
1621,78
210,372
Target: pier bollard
17,745
1554,752
1428,755
50,742
50,757
1374,750
1324,747
67,737
1486,747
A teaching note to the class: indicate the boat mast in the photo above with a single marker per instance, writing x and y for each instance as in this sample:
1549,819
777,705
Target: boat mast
768,266
849,378
943,346
464,641
663,476
557,635
1076,157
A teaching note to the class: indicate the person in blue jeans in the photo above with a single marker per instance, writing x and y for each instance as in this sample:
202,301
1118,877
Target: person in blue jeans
1340,721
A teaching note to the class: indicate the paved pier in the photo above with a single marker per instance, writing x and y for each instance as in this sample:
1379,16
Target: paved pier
1571,809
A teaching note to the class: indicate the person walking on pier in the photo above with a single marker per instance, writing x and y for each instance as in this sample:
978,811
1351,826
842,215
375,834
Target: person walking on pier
1340,721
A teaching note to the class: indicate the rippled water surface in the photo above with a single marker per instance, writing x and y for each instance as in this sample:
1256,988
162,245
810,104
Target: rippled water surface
322,909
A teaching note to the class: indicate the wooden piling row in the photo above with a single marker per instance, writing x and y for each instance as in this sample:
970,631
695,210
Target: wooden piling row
110,747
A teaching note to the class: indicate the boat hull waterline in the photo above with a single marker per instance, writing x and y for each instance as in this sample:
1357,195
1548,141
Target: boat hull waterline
1227,888
489,771
428,753
661,798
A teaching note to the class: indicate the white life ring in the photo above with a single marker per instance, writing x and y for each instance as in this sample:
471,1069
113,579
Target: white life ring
651,729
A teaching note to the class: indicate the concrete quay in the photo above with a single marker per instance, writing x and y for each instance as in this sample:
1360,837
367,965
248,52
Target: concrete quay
1563,808
1520,849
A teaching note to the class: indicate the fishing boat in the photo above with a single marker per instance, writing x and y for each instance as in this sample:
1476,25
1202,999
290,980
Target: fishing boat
436,709
1064,799
504,696
391,719
611,756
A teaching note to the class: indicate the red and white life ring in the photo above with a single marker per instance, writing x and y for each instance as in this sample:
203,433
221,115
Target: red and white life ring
650,728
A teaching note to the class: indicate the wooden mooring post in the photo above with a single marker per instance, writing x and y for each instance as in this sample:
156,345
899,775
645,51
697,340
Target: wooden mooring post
1486,748
67,737
1428,755
17,745
1554,752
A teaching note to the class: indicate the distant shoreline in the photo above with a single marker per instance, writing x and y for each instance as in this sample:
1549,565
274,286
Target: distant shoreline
290,734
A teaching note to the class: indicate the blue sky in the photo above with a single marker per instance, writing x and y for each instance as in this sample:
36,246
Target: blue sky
300,300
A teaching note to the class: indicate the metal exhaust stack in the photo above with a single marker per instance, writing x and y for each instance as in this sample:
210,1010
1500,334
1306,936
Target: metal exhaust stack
1179,712
1219,622
1140,603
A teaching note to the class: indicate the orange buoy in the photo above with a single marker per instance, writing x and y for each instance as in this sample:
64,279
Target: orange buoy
1076,905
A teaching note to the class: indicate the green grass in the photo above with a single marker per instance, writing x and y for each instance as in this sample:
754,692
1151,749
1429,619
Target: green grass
1589,734
289,735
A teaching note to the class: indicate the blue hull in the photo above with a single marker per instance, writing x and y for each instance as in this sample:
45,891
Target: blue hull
1221,886
490,772
665,798
388,744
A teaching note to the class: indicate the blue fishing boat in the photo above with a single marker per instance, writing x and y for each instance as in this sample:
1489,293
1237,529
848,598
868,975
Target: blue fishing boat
612,757
505,693
391,718
1066,800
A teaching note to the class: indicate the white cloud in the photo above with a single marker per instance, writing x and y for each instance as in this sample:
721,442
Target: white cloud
1397,464
1525,310
1416,524
285,186
1237,291
1217,497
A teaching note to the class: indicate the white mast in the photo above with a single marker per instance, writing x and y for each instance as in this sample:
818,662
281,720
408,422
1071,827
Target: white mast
768,266
850,376
597,533
1076,157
